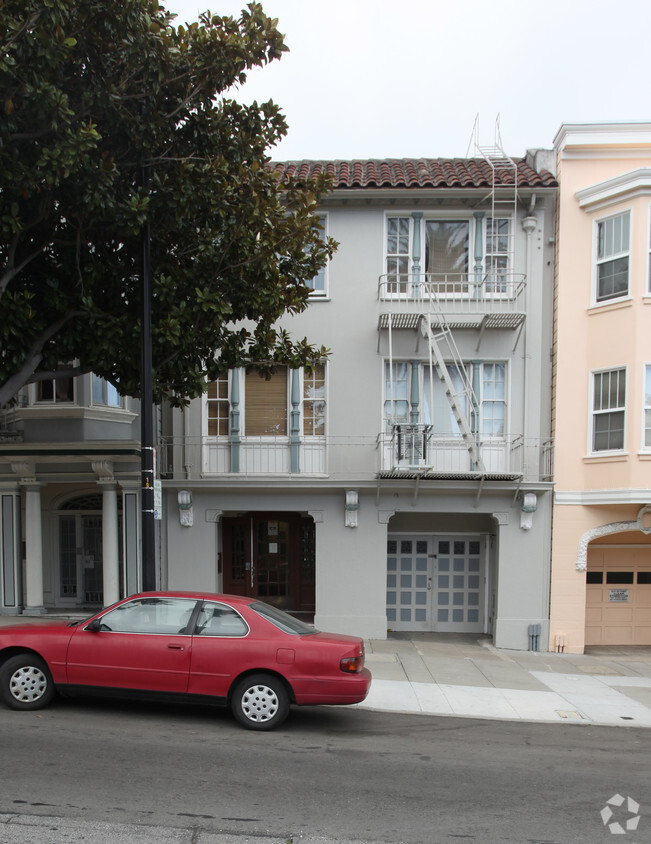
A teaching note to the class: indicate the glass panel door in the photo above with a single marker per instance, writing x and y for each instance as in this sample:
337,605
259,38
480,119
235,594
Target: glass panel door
408,583
272,562
459,589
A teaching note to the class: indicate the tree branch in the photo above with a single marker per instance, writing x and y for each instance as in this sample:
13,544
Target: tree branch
32,359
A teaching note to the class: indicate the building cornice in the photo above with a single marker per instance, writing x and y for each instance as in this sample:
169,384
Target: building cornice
626,186
586,497
577,138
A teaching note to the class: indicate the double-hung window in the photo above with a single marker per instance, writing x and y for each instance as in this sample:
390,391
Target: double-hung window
613,248
314,402
218,407
493,400
608,410
396,393
498,248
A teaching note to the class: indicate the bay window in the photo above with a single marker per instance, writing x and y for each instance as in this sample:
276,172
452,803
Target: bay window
265,405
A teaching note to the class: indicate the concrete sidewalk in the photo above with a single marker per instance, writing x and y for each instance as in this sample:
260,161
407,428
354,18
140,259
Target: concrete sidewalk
464,675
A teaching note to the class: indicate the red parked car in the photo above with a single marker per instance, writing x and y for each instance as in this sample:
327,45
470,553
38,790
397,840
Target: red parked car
202,647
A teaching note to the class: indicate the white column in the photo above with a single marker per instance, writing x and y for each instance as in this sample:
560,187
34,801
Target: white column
110,555
33,550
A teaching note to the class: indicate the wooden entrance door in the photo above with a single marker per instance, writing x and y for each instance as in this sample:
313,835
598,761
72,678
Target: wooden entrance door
271,556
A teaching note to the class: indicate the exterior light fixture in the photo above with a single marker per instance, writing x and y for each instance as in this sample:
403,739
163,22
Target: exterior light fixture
184,499
351,507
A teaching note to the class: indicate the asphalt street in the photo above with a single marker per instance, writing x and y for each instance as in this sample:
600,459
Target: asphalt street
87,771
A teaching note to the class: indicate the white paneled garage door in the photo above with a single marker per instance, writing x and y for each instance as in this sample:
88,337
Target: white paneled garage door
618,595
436,583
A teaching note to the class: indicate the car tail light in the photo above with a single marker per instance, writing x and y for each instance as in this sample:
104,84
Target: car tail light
352,664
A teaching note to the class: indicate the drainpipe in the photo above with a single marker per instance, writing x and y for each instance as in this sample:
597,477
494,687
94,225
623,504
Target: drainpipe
187,464
295,424
529,225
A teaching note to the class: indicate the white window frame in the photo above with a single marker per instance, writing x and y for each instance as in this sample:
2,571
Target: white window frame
497,278
397,288
323,274
206,403
483,400
611,257
388,397
304,400
648,253
592,414
106,385
53,401
646,407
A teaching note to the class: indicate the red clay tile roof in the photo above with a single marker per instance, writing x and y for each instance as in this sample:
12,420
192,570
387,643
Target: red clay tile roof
414,173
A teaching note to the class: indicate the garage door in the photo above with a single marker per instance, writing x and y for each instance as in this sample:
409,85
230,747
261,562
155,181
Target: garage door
618,596
435,583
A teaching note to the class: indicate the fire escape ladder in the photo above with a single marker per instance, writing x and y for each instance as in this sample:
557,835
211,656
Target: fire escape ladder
443,353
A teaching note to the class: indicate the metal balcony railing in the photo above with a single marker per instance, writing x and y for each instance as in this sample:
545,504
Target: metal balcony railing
404,450
467,296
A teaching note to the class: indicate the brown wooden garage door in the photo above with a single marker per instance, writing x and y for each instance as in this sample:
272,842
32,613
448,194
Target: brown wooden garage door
618,596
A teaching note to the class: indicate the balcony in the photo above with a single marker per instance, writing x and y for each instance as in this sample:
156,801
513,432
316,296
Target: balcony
462,300
412,452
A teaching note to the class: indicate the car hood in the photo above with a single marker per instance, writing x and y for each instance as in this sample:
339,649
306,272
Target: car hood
29,627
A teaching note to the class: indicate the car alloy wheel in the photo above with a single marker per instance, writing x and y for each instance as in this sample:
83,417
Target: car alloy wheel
26,683
260,702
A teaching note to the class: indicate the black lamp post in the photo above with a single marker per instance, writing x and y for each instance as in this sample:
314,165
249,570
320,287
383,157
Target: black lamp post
146,415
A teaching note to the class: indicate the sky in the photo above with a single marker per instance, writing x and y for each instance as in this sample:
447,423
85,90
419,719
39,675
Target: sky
412,78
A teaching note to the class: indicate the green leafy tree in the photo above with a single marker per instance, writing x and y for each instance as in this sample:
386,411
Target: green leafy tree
90,93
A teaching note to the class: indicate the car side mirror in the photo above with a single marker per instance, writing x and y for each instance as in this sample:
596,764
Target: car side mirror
95,626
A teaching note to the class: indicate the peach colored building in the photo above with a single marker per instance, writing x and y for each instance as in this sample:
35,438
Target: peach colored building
601,546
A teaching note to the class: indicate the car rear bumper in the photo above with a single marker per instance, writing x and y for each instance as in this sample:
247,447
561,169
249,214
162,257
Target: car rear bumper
350,688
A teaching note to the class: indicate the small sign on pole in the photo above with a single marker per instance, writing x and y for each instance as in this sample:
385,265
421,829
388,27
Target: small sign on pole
158,500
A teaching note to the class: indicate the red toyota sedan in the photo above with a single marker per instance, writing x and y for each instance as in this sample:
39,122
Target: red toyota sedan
221,649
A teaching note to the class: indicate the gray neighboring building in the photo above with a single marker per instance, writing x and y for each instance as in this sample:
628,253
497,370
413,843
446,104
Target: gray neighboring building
69,497
405,484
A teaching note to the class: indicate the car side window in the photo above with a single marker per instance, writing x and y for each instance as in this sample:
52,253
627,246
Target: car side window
219,620
165,616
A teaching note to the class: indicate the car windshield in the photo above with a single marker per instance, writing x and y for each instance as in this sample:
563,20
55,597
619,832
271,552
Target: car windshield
282,620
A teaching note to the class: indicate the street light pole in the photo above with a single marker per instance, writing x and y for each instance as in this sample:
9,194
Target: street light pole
146,414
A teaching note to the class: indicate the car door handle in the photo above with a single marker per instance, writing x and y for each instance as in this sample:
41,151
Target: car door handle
174,647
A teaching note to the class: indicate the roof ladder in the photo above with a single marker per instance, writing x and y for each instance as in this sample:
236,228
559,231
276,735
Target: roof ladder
500,235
